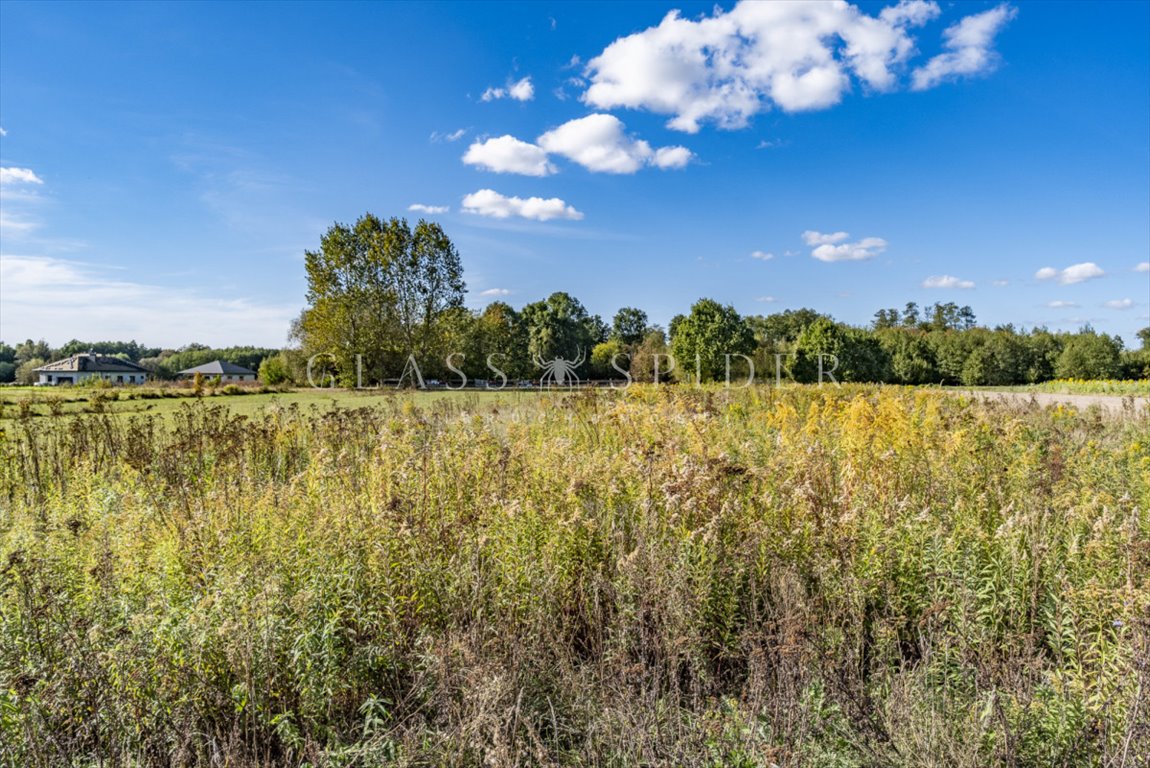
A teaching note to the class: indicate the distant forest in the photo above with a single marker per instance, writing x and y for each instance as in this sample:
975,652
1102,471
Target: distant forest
382,294
939,344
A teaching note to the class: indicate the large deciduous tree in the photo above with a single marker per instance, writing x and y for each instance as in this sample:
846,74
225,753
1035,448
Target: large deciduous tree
701,341
380,289
559,326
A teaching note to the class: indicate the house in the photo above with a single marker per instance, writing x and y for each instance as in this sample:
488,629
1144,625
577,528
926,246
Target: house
80,368
220,369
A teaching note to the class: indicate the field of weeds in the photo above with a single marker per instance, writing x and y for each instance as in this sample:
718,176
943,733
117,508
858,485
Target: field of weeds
667,576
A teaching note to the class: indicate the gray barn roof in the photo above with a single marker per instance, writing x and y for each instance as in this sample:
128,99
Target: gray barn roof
218,368
90,363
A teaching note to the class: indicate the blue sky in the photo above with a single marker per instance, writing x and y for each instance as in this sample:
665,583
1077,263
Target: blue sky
166,164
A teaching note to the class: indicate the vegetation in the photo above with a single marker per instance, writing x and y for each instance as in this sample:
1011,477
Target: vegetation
665,576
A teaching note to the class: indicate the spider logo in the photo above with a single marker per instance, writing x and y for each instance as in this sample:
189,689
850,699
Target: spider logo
559,372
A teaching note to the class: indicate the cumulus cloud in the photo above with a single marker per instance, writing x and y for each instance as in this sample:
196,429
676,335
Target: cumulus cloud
832,246
968,49
794,56
488,202
867,248
1119,304
429,209
1058,304
19,176
508,154
1075,273
521,90
762,255
671,157
811,237
1143,266
946,281
495,292
598,142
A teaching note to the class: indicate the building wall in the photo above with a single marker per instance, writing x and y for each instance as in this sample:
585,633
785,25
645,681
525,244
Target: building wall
78,377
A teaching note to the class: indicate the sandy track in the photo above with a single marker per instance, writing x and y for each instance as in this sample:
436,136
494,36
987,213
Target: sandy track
1109,403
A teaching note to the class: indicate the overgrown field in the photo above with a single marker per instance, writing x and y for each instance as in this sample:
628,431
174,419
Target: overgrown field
668,576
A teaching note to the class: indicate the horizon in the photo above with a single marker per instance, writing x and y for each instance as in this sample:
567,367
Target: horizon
165,166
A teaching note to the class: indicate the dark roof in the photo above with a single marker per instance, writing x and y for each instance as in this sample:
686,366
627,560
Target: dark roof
91,363
219,368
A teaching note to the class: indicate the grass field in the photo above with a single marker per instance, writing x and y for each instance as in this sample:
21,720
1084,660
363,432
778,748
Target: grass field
667,576
44,401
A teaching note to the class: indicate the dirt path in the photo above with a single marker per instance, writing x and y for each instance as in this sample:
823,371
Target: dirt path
1109,403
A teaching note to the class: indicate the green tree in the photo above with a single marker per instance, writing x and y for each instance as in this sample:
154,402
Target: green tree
703,338
1089,355
273,371
379,289
501,334
33,350
26,371
644,358
558,327
629,326
911,357
602,356
1001,358
859,355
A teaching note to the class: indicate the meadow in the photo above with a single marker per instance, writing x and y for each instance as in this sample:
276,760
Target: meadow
796,576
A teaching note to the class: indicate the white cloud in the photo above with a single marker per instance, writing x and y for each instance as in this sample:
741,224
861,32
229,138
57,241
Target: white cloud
1143,266
968,49
867,248
1119,304
437,137
1058,304
811,237
508,154
766,299
488,202
495,292
671,157
762,255
795,56
946,281
19,176
3,132
600,143
1000,283
521,90
429,209
1075,273
33,288
831,246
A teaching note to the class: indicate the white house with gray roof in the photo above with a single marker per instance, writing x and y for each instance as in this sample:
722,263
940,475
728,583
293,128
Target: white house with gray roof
220,369
80,368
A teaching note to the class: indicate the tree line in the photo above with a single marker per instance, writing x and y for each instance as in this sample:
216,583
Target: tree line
383,295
